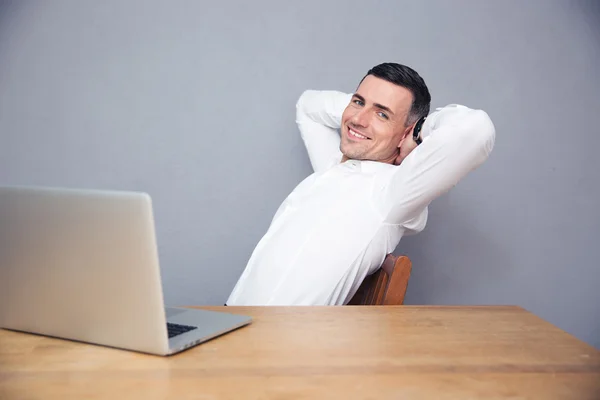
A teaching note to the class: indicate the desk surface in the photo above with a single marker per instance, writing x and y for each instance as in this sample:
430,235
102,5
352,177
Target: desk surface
323,353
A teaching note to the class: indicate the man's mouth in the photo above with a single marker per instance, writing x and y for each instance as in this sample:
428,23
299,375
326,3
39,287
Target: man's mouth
354,135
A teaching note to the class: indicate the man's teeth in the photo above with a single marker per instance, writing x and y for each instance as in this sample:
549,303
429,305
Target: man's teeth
358,135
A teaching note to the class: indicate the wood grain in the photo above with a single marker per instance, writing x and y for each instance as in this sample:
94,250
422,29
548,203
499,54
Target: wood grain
323,352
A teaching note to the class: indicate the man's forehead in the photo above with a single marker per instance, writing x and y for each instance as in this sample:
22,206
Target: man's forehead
377,90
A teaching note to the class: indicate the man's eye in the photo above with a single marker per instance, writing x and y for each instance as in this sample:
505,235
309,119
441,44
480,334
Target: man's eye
382,115
359,102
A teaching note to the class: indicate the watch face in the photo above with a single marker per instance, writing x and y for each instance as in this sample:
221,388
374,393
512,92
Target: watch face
417,130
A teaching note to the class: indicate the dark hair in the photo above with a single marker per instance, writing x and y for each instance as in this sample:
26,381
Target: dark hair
408,78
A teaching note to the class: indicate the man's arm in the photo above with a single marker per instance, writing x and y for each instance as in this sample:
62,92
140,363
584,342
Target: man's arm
457,140
319,115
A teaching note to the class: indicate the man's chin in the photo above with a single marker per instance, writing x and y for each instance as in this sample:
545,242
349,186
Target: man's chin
350,153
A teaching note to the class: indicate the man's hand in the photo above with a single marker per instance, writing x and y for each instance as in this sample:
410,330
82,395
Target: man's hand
407,144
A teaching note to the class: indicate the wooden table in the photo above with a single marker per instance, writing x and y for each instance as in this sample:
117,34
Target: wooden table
323,353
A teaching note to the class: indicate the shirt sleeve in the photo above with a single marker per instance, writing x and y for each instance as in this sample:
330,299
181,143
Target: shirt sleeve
319,115
456,140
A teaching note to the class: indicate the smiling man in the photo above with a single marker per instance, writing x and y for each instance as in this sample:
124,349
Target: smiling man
377,167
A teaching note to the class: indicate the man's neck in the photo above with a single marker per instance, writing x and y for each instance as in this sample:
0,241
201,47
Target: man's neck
385,161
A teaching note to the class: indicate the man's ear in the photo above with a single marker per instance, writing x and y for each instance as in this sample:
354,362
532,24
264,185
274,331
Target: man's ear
407,133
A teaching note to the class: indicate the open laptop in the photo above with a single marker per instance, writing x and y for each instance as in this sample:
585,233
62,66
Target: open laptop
83,265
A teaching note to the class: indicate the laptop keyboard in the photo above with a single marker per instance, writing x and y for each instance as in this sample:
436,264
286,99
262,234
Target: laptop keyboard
177,329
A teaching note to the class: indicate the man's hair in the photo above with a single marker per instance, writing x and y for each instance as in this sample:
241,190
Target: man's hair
408,78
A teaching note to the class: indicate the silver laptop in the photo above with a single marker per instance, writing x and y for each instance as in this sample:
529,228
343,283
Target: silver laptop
83,265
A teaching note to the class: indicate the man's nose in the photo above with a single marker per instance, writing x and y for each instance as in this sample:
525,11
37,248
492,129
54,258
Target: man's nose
361,118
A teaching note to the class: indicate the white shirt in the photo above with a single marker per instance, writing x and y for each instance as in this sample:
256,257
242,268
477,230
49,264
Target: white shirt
338,225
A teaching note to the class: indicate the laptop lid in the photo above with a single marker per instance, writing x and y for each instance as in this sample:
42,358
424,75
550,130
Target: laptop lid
81,265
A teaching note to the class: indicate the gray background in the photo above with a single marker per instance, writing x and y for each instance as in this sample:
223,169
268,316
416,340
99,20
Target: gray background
193,102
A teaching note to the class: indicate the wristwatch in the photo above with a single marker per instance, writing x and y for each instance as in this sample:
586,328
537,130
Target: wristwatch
417,131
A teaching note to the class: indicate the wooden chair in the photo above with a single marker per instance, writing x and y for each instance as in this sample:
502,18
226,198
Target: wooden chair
387,286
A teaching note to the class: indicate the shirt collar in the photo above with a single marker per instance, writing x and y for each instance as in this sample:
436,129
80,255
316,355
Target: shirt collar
367,166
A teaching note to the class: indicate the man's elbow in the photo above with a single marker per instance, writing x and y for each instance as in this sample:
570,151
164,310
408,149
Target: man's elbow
479,130
302,102
468,125
485,130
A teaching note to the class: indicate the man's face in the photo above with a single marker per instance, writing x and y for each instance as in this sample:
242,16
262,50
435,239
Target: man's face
374,123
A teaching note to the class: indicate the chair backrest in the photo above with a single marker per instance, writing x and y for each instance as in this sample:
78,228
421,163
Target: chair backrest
387,286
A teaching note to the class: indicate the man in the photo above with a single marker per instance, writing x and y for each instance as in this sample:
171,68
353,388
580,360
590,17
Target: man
374,177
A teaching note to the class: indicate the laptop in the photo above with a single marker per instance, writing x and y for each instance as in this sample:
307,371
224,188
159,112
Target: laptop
83,265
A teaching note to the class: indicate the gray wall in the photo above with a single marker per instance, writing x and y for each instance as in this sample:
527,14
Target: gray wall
193,102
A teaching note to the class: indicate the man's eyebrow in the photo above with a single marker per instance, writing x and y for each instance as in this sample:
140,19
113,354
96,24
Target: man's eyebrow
358,96
380,106
384,108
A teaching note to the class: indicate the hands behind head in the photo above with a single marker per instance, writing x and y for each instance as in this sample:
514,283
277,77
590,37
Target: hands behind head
410,141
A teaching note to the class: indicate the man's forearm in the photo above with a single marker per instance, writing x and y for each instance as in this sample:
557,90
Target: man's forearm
457,140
